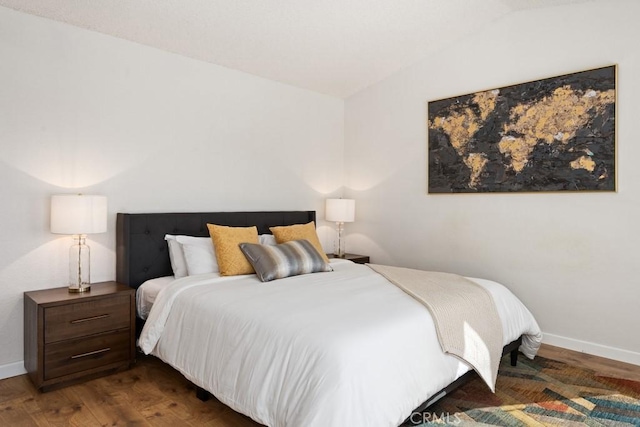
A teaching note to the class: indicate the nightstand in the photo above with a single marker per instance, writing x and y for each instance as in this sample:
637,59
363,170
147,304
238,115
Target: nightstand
72,337
358,259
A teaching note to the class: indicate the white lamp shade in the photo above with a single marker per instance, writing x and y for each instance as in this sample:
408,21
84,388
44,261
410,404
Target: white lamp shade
78,214
340,210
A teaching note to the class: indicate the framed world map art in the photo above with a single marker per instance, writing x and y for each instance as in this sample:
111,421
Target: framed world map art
555,134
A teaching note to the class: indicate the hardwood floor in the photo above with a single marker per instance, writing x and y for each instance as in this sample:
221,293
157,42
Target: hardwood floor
604,366
150,394
153,394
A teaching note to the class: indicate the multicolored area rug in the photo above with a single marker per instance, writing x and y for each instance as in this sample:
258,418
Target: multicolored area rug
540,392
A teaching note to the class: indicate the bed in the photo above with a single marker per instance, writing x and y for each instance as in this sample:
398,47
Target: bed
271,350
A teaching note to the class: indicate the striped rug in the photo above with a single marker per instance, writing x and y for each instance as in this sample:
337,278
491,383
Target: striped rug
540,392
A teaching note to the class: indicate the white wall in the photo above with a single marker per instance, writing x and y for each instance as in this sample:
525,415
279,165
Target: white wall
152,131
572,258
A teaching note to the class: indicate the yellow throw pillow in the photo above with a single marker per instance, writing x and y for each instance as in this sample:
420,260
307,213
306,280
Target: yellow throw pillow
298,232
226,241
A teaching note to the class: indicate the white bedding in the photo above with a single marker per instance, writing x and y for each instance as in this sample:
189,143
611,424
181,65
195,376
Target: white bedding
343,348
147,293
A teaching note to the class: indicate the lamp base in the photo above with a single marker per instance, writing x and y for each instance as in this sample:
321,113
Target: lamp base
338,250
79,265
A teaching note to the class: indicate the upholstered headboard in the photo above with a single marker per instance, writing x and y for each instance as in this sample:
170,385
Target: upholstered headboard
142,253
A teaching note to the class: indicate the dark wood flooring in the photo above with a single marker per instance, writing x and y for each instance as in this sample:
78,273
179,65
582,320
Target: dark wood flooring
153,394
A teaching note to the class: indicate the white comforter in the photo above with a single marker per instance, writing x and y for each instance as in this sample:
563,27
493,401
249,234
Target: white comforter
344,348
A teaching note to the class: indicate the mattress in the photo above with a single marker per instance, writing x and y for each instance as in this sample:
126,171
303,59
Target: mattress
343,348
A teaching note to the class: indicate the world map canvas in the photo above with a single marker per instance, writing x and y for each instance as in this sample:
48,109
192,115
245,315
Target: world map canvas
555,134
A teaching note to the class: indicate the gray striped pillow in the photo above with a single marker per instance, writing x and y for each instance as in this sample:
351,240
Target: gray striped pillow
287,259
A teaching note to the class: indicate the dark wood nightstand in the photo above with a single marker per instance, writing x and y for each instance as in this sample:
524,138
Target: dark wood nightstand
72,337
358,259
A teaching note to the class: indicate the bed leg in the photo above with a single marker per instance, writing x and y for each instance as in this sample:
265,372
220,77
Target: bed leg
202,394
514,357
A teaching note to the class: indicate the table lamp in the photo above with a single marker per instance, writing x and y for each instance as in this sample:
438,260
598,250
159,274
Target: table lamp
340,211
79,215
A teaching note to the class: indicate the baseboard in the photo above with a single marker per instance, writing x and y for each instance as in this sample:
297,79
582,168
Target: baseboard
592,348
12,369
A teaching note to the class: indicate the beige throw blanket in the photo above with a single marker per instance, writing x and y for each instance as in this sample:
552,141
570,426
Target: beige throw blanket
465,315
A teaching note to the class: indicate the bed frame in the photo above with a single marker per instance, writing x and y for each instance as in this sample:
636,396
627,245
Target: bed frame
142,254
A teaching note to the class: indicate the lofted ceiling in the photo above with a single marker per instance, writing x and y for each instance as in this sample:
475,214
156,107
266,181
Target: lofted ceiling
335,47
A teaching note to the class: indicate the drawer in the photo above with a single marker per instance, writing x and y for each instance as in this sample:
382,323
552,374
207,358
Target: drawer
86,318
68,357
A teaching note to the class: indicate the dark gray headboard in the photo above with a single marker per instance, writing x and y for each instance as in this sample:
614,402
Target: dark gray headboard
142,253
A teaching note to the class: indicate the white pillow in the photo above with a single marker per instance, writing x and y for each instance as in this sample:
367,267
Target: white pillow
178,263
267,239
198,254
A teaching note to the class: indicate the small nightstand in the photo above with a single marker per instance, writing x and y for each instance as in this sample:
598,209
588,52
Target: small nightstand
358,259
72,337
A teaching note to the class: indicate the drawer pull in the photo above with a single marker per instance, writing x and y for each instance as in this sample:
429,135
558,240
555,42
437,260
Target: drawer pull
91,353
87,319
